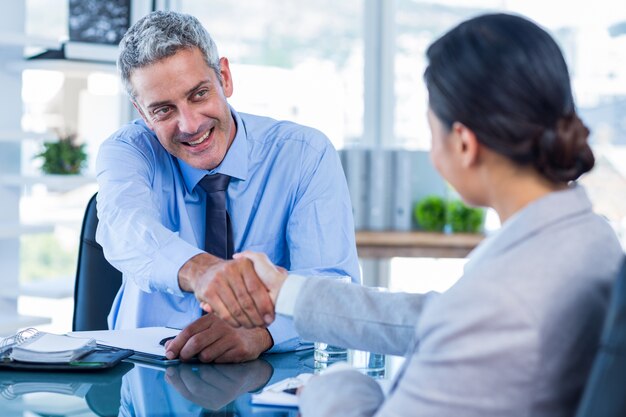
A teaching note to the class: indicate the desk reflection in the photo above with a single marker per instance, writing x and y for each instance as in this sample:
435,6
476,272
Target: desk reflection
62,393
151,391
207,389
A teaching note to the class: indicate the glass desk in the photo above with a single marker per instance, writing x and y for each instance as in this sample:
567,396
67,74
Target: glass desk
135,389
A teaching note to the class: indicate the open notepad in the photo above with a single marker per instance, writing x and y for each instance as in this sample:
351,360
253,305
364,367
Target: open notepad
145,341
34,346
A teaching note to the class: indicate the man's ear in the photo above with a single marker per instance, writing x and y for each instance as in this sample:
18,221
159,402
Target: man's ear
143,116
467,144
227,79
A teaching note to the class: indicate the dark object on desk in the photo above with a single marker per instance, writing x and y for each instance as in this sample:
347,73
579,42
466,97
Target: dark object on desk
97,281
605,392
166,339
101,358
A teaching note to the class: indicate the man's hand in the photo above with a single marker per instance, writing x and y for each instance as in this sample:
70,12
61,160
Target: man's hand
250,294
230,289
211,339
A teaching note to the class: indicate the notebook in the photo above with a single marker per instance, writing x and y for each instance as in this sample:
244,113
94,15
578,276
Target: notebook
33,346
282,393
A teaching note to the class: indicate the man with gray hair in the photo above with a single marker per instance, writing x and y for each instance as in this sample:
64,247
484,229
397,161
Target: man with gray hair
193,181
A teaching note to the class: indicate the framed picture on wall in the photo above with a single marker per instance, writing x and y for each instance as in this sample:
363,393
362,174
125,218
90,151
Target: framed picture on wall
96,27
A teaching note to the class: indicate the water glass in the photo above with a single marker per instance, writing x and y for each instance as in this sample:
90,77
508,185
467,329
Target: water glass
327,354
369,363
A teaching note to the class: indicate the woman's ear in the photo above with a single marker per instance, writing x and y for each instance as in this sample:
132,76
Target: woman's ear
467,145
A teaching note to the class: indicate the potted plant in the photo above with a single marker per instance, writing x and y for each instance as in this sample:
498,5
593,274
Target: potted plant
64,156
464,219
430,213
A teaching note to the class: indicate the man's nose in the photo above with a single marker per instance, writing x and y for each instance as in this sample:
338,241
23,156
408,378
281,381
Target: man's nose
189,121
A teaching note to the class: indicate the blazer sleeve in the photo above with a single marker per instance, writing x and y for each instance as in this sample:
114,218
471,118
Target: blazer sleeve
475,362
357,317
473,359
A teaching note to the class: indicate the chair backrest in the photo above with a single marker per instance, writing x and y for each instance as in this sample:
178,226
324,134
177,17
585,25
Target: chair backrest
97,281
605,391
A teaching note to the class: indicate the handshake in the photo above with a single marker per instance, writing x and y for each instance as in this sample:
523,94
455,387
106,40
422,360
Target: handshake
242,292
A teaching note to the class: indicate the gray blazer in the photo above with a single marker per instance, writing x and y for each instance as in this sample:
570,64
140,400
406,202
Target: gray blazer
515,336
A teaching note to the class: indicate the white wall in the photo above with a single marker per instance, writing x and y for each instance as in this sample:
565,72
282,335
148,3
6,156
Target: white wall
11,21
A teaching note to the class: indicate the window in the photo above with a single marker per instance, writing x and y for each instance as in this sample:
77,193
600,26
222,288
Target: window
295,60
306,61
592,36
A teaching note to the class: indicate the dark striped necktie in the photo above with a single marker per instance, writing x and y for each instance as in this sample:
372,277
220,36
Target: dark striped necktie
218,238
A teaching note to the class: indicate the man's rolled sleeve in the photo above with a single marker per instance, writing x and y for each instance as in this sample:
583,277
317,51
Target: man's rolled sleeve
168,260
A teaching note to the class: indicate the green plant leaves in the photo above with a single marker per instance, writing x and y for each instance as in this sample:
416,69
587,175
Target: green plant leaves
63,157
464,219
433,213
430,213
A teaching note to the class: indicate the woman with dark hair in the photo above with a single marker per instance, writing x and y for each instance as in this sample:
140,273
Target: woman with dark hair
516,335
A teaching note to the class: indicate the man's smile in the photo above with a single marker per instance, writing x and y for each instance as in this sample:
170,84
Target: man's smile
200,140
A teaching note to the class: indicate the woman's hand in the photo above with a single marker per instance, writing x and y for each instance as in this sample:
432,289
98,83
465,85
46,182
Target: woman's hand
272,276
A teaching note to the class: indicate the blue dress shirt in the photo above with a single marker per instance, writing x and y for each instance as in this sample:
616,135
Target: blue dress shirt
287,198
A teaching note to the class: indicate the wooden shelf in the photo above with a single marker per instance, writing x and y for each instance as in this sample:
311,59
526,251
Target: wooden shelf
61,183
57,288
70,67
9,324
20,136
13,39
51,288
8,230
415,244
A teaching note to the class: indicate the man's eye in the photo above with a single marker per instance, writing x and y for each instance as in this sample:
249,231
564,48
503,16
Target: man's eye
201,93
162,111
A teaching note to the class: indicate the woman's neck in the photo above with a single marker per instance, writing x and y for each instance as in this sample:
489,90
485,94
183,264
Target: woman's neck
511,188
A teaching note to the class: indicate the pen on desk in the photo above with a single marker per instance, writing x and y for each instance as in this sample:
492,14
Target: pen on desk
165,339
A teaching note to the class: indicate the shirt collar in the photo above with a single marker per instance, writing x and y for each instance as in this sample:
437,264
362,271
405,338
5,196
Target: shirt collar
234,164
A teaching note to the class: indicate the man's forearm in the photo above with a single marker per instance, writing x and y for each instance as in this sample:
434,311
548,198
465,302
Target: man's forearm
194,268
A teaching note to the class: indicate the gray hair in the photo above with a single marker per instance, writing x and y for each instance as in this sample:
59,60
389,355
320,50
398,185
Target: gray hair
160,35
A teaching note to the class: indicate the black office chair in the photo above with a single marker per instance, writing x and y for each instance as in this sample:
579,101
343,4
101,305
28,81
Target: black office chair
605,391
97,281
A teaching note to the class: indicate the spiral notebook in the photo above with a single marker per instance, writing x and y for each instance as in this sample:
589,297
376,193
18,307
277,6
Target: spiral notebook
32,349
31,345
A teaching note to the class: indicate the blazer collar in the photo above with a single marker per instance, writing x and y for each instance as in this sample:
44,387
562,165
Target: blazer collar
531,220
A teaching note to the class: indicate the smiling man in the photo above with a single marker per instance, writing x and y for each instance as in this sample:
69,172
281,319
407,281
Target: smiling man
280,191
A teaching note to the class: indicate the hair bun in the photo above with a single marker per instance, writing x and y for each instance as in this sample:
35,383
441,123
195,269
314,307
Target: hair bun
563,153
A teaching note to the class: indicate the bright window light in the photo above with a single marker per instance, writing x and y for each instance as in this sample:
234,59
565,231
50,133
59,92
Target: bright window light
40,86
102,84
